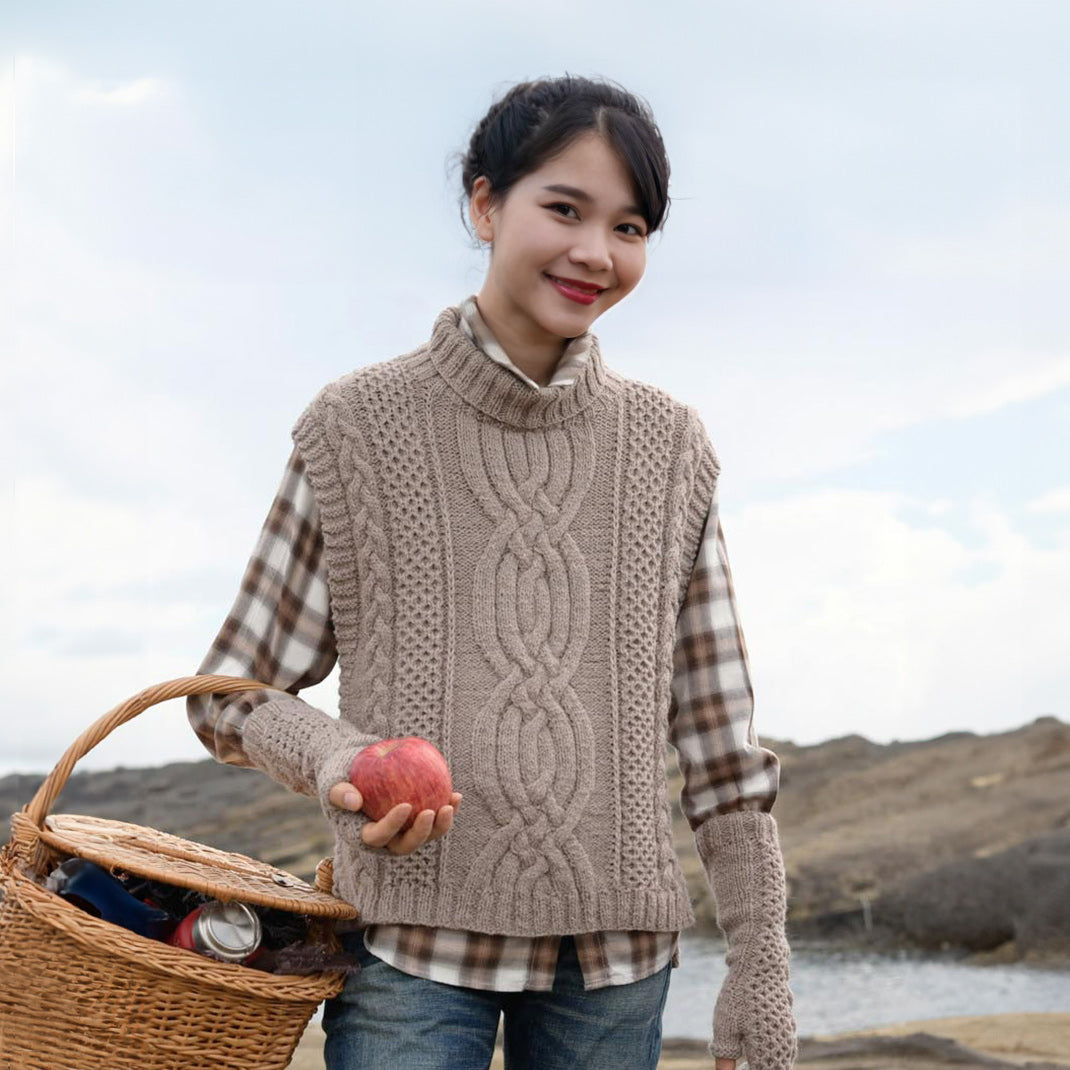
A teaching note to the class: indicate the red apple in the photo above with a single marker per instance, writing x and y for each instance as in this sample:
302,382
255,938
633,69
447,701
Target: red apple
406,770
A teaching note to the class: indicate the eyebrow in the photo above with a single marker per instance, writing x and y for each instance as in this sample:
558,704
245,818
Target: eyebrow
582,195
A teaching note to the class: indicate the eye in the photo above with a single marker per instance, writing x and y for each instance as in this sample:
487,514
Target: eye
636,230
561,208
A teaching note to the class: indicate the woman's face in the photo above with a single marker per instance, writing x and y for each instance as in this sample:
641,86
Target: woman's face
568,242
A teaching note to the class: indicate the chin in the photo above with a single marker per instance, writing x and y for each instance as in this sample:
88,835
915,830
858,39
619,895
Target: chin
563,323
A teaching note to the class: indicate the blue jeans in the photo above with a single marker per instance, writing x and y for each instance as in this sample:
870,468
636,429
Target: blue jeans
385,1019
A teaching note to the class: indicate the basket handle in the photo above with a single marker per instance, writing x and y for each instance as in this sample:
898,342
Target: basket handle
38,807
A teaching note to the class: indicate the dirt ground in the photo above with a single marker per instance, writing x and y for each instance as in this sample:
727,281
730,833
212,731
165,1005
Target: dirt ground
1000,1041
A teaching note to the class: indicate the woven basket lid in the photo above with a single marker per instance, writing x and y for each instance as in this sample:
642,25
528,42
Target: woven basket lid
160,856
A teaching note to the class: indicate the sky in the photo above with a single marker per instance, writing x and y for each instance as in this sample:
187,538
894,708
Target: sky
208,211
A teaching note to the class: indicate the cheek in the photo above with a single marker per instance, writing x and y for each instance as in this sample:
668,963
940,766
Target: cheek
526,249
633,266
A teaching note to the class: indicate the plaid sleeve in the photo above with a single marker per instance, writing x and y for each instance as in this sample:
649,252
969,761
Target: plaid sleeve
279,629
711,716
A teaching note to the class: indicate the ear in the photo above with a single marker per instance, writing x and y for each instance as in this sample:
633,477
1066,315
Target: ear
480,209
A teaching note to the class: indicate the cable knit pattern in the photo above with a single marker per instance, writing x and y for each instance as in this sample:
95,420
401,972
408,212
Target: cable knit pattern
359,566
534,745
753,1016
360,584
506,568
646,629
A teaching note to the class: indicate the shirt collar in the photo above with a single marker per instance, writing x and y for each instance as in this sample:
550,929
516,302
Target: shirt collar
569,366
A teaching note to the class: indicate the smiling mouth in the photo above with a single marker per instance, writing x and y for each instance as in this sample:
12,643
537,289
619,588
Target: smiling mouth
583,293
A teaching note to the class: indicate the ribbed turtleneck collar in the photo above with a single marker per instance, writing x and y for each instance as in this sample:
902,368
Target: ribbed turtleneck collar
495,390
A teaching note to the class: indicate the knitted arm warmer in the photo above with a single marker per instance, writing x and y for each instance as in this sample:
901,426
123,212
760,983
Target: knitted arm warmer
308,751
753,1015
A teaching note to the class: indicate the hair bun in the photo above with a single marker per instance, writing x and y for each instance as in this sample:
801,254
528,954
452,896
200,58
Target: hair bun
534,121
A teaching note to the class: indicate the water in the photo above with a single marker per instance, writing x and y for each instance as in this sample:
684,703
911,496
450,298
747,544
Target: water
836,991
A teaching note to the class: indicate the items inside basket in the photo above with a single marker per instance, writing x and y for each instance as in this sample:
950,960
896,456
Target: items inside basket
248,934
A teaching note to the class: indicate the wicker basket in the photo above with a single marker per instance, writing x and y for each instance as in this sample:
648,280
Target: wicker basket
79,993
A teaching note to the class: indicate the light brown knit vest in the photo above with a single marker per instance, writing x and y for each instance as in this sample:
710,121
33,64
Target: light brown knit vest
506,567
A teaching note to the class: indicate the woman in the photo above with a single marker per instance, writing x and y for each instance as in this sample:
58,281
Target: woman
515,552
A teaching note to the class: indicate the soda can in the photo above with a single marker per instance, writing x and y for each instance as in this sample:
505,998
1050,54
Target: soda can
229,932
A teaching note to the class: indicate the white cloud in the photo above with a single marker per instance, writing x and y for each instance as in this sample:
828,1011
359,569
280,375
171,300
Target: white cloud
43,83
857,621
1054,501
55,698
776,416
125,94
1019,244
110,597
71,543
1045,377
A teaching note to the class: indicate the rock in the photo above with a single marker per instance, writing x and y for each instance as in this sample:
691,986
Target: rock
1021,894
917,1051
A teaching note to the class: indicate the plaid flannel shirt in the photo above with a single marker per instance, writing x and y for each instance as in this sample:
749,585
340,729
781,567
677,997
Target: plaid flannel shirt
279,631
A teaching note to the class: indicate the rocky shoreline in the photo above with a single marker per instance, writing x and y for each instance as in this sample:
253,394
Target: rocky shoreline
987,1042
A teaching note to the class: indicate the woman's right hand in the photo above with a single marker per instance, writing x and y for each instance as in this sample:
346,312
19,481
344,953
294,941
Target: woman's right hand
386,832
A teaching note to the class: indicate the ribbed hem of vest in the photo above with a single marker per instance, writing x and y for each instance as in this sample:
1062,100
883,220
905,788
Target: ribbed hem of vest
486,911
496,391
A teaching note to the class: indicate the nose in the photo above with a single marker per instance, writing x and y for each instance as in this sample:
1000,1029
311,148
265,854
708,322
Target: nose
591,249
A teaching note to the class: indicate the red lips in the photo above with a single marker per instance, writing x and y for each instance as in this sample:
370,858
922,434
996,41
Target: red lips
583,293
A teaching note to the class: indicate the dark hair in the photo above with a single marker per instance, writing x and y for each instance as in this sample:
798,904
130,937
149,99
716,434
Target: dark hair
535,121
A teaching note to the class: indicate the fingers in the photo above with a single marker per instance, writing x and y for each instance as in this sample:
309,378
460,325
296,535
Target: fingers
386,832
345,796
416,836
380,833
428,826
725,1064
444,818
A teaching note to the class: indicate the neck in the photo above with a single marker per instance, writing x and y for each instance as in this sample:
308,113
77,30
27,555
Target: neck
535,354
496,391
